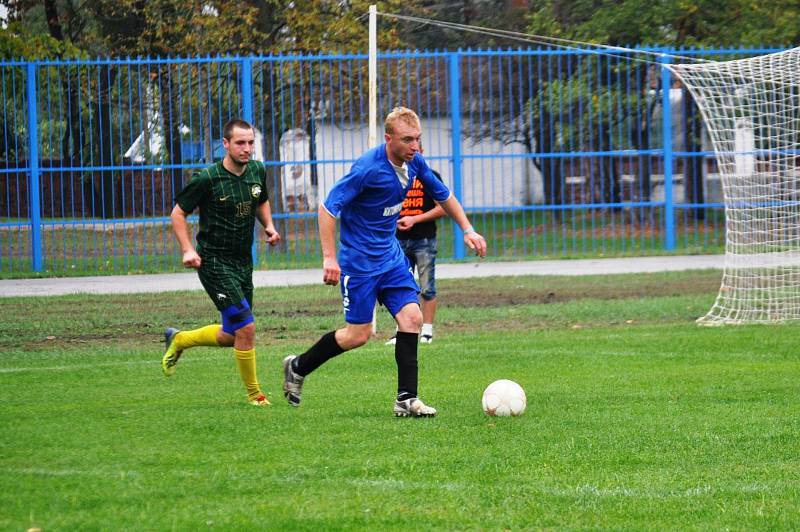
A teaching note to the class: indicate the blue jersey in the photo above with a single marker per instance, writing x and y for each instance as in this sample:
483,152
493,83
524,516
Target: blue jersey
367,202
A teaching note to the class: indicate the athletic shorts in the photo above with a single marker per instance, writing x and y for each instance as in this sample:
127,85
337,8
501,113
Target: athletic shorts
421,252
227,282
393,289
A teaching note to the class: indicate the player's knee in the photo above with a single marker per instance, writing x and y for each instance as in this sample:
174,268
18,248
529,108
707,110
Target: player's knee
247,333
355,337
359,341
224,339
410,318
360,338
237,317
416,321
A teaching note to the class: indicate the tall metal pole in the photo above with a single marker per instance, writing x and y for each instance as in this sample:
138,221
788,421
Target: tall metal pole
372,139
669,207
34,199
373,76
247,114
459,251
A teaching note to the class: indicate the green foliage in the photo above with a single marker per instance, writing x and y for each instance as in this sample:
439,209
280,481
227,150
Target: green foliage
17,42
499,14
584,98
667,23
122,28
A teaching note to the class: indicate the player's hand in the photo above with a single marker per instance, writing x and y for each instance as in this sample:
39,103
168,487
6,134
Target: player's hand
273,237
191,259
405,223
331,272
476,243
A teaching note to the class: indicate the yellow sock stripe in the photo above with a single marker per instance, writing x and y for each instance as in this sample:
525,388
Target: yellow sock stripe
203,336
246,362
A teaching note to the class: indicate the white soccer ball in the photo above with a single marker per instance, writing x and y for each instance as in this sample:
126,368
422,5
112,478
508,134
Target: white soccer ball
504,398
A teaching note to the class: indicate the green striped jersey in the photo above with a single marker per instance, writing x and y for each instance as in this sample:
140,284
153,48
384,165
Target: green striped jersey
227,204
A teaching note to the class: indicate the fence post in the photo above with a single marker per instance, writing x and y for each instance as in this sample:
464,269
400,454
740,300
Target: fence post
247,89
669,207
455,117
34,200
247,115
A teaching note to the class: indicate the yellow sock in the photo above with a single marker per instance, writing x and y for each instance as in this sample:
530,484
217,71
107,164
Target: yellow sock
246,362
203,336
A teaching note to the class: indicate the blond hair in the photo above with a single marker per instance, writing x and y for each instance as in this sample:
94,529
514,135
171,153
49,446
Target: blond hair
403,114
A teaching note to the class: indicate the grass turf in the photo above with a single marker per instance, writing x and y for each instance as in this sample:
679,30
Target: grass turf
636,417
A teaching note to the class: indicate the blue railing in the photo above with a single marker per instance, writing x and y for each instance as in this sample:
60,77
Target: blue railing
553,153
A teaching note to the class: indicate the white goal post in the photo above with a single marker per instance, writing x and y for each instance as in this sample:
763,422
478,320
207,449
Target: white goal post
751,108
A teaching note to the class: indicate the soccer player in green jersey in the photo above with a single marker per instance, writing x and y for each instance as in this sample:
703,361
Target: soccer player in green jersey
230,195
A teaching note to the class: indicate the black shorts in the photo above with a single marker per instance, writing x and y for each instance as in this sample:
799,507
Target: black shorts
226,281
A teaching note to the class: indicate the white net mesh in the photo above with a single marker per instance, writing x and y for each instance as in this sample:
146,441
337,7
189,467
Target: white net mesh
752,112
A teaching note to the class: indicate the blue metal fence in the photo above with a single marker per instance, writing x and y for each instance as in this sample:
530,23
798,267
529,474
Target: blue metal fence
553,153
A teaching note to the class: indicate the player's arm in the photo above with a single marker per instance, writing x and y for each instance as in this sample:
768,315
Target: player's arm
327,239
407,222
429,178
472,239
264,215
181,229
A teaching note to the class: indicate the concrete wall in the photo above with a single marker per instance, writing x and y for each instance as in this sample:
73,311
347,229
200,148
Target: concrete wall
491,181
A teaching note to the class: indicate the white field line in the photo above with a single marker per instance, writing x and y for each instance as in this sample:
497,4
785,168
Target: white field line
155,361
392,485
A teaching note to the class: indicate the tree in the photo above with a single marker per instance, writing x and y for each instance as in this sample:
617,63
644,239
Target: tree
159,28
508,15
14,44
674,24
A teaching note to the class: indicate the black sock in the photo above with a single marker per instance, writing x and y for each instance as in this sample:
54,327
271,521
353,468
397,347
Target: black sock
405,354
402,396
325,349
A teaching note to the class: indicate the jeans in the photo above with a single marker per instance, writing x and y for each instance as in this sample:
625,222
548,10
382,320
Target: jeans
421,253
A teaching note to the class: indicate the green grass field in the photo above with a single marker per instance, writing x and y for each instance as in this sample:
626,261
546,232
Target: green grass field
637,418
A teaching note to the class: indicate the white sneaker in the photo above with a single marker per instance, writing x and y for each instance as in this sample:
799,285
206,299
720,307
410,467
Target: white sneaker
413,408
292,382
426,338
391,341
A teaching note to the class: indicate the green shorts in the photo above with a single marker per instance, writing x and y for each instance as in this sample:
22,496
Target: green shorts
226,281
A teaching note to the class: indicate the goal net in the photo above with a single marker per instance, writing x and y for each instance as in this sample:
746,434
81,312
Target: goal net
751,108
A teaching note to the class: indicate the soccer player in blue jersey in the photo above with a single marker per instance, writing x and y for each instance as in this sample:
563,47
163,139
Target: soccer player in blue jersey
370,264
